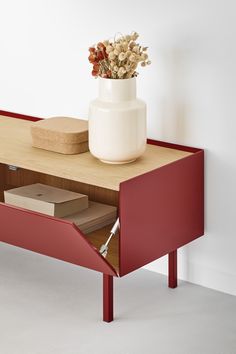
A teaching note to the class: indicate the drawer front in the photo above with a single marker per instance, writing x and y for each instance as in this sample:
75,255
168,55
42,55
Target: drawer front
50,236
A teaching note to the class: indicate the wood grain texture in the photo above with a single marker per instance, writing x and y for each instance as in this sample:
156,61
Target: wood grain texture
2,181
99,237
22,177
16,149
2,175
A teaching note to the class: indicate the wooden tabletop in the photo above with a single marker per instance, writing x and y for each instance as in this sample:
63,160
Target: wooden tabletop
16,149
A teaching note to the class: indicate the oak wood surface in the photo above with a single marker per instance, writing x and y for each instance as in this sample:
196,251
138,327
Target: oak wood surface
99,237
22,177
2,181
16,149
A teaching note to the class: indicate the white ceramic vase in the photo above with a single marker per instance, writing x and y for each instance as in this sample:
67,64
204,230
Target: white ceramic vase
117,122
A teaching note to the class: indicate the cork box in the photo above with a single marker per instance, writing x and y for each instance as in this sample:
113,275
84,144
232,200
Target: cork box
61,134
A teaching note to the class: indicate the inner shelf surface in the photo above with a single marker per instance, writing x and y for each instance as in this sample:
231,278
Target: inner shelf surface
99,237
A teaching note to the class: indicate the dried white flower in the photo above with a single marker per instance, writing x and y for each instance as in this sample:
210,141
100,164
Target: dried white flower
134,36
132,45
144,56
122,56
109,49
106,43
136,49
118,47
121,71
111,55
124,46
132,57
134,66
116,52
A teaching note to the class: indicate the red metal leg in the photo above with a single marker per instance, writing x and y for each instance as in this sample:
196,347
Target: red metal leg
172,276
107,298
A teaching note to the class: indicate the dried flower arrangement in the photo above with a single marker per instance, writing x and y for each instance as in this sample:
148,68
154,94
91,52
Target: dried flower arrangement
118,59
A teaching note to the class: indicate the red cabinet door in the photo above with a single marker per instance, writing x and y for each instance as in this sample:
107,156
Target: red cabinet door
50,236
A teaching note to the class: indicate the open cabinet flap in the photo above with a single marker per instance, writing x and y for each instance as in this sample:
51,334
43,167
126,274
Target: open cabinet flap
50,236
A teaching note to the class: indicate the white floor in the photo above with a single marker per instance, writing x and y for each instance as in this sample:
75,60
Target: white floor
51,307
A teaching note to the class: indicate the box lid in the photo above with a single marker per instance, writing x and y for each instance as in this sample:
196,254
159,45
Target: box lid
61,129
45,193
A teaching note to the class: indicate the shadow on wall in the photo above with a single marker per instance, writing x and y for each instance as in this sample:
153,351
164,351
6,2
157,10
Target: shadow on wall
173,120
173,114
173,106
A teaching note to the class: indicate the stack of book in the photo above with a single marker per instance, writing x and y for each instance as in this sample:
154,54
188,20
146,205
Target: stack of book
87,215
95,217
46,199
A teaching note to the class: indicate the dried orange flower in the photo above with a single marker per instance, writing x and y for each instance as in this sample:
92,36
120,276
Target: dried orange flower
118,59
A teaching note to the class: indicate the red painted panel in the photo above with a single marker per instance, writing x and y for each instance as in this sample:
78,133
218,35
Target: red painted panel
172,270
19,116
161,211
173,146
50,236
107,298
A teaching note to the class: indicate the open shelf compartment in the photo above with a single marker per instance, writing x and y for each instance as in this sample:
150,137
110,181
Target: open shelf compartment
51,236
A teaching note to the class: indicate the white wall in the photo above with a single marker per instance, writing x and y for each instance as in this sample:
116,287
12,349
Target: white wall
189,89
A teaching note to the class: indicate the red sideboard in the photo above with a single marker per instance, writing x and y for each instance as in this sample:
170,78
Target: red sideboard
160,200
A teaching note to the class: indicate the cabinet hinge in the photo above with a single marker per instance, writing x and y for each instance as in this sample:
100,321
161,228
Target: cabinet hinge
12,168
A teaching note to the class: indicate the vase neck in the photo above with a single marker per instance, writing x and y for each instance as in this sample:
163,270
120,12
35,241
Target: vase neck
115,90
